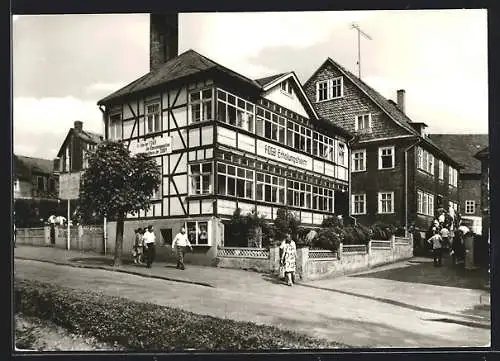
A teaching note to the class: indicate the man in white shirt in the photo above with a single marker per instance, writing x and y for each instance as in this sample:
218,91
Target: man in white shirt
179,244
149,239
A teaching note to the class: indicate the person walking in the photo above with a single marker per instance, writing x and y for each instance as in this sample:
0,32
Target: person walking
436,242
138,250
288,260
149,245
445,235
179,244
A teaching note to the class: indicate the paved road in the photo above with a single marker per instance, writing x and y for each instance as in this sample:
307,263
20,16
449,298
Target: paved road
349,310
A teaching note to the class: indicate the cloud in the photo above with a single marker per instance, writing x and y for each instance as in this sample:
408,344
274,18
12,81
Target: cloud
40,125
103,89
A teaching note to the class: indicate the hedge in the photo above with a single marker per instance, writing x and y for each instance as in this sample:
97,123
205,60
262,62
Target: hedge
144,326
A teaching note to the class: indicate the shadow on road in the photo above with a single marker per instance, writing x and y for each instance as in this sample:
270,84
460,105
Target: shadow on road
423,271
100,261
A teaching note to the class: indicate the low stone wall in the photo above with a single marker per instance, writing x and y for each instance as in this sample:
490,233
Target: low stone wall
39,236
256,259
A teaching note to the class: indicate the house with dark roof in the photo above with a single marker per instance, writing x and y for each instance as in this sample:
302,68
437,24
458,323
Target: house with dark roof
225,141
35,190
398,174
71,154
484,157
463,148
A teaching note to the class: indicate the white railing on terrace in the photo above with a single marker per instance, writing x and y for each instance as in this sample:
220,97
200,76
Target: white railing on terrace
322,255
243,252
381,244
354,249
402,241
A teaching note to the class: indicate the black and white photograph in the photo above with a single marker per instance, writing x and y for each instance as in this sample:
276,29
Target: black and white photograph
250,181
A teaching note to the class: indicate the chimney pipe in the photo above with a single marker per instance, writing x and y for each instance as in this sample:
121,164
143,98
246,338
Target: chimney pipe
401,100
78,125
163,39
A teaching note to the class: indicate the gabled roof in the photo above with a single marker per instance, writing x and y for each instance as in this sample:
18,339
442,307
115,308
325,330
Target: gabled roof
463,148
24,167
85,135
387,106
269,79
274,80
183,65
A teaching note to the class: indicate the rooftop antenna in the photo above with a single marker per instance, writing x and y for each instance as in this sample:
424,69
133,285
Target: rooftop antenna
360,32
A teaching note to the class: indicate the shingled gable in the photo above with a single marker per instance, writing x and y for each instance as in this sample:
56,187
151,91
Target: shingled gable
273,80
387,106
182,66
89,137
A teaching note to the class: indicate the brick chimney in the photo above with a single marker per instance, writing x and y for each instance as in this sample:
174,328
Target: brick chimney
78,125
401,100
163,38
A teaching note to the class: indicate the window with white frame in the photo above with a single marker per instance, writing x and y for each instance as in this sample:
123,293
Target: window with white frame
453,205
115,126
322,199
359,203
88,147
274,126
341,148
363,122
298,194
286,87
322,146
157,194
236,111
201,178
201,105
298,137
358,160
425,161
329,89
386,157
385,202
453,176
197,232
441,169
270,188
234,181
470,207
153,117
425,203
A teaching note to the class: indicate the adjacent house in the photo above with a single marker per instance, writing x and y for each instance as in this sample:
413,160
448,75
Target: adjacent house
399,175
35,190
484,156
463,148
225,141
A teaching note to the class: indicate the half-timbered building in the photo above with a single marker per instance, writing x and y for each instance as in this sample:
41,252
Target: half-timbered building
225,141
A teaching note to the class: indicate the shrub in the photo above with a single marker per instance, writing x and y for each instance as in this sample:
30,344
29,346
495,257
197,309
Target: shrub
144,326
285,222
382,231
331,222
356,235
328,238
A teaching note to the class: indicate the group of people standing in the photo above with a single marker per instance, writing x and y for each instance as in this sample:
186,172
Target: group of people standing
144,250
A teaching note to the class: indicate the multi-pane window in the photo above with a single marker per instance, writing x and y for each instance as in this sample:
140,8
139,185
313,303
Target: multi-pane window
322,199
85,154
425,203
270,188
234,181
470,207
441,169
298,137
385,202
453,174
386,158
115,126
298,194
271,125
341,151
359,160
359,203
322,146
329,89
425,160
153,118
235,111
201,178
197,232
201,105
286,87
363,122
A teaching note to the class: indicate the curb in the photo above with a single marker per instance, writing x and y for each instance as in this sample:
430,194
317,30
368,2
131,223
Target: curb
105,268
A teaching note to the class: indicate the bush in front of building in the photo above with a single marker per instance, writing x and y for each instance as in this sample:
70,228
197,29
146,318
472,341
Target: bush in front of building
357,234
285,222
148,327
383,231
328,238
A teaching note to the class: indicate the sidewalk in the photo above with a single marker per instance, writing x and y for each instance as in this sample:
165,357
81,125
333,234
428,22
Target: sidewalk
193,274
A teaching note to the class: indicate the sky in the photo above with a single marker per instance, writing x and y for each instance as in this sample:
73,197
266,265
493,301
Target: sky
63,64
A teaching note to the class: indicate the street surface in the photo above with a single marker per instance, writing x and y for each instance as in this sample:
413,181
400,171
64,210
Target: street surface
361,311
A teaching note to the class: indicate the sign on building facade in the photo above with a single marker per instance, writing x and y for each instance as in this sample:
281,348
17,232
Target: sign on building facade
69,185
152,147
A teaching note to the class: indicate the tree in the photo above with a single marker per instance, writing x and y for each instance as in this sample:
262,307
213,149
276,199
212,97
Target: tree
285,222
116,183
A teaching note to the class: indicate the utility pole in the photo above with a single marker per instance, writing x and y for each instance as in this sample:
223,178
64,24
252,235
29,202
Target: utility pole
360,32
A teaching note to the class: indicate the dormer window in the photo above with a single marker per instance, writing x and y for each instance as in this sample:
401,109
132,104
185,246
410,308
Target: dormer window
286,88
363,122
329,89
